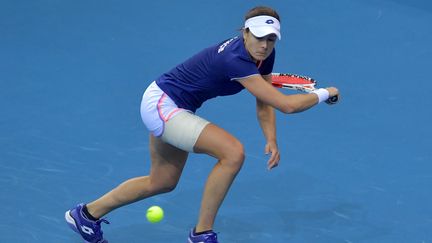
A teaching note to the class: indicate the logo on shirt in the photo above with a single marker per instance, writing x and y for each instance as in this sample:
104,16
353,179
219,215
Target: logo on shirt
222,47
270,21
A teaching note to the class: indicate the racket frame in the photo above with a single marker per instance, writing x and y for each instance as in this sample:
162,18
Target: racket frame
303,83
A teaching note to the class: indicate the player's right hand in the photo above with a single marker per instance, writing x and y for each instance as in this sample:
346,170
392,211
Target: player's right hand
332,91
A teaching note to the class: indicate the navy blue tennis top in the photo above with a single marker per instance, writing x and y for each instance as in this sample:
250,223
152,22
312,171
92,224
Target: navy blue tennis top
213,72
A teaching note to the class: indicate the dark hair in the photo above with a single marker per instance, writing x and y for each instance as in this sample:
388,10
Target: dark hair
262,10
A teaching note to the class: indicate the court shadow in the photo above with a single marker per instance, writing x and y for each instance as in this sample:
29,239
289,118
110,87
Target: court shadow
343,223
147,232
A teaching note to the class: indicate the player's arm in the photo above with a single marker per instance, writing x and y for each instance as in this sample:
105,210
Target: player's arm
267,120
266,93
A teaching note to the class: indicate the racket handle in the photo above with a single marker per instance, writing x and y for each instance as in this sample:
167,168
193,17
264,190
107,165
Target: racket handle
332,100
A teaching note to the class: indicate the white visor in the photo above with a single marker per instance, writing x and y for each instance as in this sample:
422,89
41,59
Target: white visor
263,25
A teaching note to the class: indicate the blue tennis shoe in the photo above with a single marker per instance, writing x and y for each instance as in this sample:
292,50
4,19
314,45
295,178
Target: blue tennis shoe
207,237
89,230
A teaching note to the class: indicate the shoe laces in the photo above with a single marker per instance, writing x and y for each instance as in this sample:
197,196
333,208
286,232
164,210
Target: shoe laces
97,224
211,238
103,220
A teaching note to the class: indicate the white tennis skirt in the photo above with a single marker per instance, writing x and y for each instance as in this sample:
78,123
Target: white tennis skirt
163,118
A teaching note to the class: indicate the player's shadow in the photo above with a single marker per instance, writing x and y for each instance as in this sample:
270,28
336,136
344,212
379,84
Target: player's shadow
147,232
339,224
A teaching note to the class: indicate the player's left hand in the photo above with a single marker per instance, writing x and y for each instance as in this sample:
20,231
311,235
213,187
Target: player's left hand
272,149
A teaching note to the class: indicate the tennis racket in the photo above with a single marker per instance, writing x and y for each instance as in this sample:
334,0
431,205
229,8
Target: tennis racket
298,82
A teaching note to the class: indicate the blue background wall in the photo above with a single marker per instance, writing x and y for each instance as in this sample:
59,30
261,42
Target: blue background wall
72,74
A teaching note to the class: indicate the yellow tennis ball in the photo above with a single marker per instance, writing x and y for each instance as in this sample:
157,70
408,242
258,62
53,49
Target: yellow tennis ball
155,214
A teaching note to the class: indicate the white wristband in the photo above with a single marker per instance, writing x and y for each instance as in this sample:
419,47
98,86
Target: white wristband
322,94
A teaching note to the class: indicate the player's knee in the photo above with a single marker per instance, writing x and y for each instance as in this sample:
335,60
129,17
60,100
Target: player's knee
168,188
234,156
159,186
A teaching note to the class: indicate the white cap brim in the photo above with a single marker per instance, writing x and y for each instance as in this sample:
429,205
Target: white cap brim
263,25
262,31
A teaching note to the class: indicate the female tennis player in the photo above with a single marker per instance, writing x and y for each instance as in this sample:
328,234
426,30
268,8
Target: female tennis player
167,110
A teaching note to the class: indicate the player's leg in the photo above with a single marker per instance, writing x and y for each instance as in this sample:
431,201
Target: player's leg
218,143
167,163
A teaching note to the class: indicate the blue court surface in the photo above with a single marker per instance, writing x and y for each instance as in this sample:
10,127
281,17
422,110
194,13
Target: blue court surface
73,73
